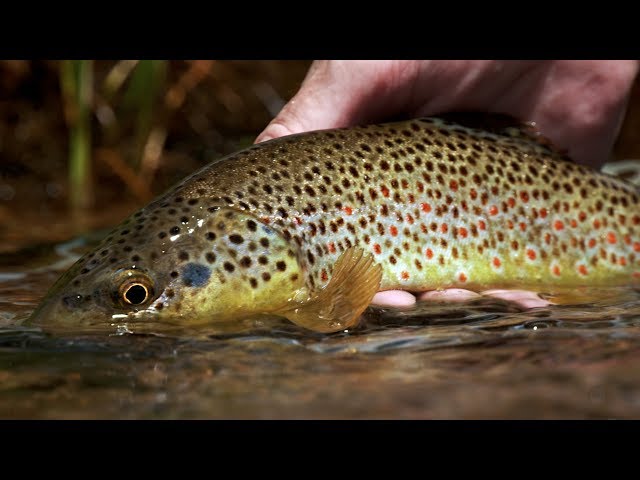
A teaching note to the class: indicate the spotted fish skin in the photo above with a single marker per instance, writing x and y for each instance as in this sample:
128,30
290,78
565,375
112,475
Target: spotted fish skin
437,204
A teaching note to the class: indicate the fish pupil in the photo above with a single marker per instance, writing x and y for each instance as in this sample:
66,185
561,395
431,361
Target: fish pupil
136,294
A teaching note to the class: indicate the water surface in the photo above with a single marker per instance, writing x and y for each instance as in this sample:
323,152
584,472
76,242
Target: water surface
487,359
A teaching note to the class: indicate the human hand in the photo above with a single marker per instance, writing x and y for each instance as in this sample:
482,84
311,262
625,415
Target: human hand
578,104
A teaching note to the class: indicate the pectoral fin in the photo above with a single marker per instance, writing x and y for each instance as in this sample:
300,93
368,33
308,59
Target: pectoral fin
355,280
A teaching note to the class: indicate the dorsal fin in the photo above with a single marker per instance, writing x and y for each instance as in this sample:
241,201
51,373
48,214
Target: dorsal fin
504,125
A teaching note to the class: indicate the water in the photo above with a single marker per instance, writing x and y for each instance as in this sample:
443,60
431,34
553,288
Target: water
486,359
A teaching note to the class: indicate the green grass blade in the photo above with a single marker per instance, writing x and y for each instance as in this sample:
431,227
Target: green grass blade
77,86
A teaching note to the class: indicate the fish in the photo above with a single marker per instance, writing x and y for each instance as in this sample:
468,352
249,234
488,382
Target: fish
311,226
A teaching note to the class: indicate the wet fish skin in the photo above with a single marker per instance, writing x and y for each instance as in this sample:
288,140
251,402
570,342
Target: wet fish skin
434,203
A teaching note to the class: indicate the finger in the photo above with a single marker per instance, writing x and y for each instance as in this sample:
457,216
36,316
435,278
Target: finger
449,295
524,298
318,104
393,298
337,94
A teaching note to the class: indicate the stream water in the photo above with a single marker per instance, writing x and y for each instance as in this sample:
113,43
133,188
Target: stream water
487,359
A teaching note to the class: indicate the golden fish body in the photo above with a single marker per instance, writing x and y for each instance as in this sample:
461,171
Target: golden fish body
310,226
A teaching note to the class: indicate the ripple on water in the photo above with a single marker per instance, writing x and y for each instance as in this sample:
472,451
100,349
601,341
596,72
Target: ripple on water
484,359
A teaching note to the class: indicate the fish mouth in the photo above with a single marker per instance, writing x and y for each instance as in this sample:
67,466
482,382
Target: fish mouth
53,318
51,314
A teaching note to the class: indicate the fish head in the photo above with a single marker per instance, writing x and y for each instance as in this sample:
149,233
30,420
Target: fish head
217,266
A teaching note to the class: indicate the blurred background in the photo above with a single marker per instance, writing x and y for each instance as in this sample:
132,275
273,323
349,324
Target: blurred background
84,143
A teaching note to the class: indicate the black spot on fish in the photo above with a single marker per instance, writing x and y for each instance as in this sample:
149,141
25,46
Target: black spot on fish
235,238
195,274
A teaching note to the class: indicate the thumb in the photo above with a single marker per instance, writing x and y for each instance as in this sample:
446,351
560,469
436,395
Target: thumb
340,93
320,103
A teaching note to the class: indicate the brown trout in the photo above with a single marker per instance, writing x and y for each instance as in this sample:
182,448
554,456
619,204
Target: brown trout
310,226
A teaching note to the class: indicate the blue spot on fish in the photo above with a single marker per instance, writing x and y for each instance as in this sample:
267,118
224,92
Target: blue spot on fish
195,274
267,230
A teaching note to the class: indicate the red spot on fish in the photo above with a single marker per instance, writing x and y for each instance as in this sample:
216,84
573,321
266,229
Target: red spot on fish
524,196
332,247
493,210
462,232
543,213
622,261
324,277
444,228
482,225
347,210
511,202
453,185
558,225
582,270
405,275
429,253
473,194
636,219
384,190
611,238
531,254
393,230
496,262
409,219
556,270
420,187
627,239
376,249
636,246
266,220
582,216
523,226
509,224
462,277
592,243
573,223
596,223
426,208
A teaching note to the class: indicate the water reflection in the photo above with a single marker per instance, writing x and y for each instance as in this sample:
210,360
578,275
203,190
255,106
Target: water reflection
486,359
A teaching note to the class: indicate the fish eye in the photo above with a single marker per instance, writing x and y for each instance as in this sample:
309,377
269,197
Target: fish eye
135,294
133,289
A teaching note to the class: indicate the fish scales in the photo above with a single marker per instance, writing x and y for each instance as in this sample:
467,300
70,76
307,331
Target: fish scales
435,203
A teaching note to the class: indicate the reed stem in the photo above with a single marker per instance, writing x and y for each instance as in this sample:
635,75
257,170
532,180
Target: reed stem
77,87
